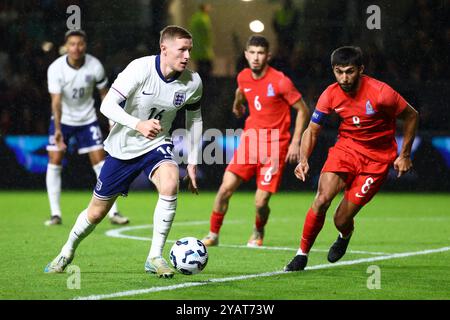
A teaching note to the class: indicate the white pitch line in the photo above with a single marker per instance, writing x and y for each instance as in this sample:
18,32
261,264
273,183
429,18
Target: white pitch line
258,275
118,233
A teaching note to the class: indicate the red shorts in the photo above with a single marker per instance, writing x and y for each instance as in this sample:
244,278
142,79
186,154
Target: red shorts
364,175
265,159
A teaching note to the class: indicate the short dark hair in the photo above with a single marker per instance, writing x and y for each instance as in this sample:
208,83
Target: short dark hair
172,32
345,56
258,41
75,32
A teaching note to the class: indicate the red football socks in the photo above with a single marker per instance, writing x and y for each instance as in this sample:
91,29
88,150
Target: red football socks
311,228
216,221
260,222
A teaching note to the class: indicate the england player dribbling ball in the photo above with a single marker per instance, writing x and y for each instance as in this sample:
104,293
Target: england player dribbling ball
143,102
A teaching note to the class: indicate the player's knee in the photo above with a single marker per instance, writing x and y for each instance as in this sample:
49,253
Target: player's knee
169,188
225,192
96,215
322,202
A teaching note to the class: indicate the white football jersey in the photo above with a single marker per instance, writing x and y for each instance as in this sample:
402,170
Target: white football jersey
150,96
77,88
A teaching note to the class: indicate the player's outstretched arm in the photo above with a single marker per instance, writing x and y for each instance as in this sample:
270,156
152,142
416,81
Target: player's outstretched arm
309,140
410,118
238,107
57,113
293,155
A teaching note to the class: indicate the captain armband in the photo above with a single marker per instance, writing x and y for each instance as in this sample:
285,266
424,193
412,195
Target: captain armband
318,117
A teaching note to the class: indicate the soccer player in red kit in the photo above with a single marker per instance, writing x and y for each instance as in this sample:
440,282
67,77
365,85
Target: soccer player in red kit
365,149
265,144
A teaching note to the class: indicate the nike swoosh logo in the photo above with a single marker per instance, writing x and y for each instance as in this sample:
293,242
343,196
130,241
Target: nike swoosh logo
167,220
147,93
359,196
338,109
247,90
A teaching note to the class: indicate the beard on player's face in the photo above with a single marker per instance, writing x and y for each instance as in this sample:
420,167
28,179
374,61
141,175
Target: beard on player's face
347,78
258,66
350,86
259,69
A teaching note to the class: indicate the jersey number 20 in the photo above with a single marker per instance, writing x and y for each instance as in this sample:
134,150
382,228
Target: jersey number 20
78,93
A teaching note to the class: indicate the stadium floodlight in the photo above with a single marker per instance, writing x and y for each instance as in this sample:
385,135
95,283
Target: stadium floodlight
256,26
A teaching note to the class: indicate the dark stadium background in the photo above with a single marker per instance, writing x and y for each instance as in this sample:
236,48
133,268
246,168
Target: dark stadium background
410,52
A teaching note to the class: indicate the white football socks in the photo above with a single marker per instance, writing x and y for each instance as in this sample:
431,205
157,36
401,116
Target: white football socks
53,181
97,168
82,228
162,221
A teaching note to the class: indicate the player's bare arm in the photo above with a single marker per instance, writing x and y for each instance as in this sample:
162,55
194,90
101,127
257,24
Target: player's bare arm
192,178
238,104
194,125
57,112
308,143
410,118
293,155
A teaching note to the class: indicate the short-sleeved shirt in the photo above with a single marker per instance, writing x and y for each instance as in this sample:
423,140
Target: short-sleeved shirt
269,99
76,87
148,95
368,118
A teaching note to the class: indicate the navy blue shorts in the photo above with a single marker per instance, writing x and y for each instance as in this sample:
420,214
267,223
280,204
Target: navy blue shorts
117,175
87,137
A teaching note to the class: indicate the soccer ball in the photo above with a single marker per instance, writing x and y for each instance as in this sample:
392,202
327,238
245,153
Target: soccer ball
189,255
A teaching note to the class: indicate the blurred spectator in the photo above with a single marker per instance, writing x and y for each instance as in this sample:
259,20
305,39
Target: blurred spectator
202,53
285,23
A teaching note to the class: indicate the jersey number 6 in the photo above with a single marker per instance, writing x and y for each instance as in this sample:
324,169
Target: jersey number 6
257,104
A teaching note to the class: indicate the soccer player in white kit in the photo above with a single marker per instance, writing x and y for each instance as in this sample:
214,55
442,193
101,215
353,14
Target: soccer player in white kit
71,81
143,102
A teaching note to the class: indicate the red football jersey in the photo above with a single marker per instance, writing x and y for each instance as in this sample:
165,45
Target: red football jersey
269,99
368,118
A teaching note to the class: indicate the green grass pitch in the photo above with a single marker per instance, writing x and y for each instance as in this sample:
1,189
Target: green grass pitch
113,267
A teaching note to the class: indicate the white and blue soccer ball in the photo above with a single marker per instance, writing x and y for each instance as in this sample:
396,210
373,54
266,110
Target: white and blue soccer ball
189,255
